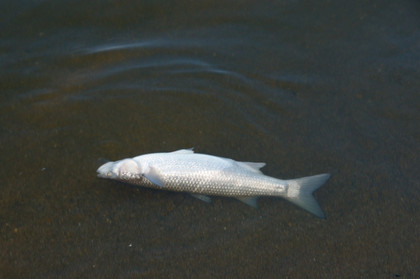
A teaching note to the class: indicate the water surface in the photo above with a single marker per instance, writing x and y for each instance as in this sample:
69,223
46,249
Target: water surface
305,87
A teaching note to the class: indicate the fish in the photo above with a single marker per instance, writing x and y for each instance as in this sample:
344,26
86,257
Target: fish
203,175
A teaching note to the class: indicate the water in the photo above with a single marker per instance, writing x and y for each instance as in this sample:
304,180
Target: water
305,87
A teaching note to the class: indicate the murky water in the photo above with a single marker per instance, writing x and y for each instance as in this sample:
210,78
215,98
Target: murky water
327,86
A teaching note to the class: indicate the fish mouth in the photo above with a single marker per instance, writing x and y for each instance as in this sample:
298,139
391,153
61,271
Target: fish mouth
106,171
107,175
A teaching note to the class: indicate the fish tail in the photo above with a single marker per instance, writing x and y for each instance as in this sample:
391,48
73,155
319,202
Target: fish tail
300,191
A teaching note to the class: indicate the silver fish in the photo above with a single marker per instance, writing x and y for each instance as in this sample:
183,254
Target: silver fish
202,175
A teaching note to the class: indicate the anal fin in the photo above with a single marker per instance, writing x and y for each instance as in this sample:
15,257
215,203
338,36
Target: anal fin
251,201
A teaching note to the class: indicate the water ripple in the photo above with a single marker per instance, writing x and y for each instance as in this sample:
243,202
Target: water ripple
125,46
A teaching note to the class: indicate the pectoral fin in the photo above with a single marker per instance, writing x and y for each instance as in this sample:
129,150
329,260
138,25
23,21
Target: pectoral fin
154,176
251,201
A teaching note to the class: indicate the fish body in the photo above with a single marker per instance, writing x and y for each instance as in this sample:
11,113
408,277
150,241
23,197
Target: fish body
202,175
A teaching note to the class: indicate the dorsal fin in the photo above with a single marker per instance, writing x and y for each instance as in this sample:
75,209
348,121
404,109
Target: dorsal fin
184,151
254,167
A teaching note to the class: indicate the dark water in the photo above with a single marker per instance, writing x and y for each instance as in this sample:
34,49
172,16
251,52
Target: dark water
308,87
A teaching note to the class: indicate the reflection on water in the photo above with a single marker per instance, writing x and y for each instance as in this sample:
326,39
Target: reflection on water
330,87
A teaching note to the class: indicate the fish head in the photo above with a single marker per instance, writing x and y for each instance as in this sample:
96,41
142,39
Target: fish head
126,169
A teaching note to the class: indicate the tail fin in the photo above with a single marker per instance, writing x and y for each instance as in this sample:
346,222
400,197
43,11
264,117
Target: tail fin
300,191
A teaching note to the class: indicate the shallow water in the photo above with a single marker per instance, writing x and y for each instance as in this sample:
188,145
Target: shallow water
305,87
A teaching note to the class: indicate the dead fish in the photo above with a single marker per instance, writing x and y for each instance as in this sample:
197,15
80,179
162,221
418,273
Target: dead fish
202,175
